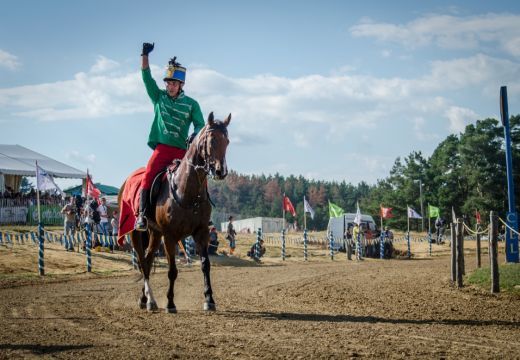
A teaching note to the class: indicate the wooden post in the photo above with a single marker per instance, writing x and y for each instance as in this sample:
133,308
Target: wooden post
493,251
477,228
349,250
453,253
460,255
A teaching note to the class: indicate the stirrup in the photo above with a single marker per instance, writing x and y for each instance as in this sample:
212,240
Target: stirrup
141,224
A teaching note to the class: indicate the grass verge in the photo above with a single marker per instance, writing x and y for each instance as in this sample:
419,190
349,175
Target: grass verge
509,277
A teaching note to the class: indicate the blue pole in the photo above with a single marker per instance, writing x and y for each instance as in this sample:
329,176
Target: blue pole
358,245
88,248
41,264
305,244
430,242
512,218
382,246
257,247
283,244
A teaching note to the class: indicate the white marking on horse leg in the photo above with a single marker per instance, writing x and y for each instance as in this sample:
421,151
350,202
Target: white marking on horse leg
148,291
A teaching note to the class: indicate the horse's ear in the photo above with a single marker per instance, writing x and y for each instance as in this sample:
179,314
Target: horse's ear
211,119
228,120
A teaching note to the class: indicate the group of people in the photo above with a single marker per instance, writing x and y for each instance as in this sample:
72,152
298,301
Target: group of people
95,213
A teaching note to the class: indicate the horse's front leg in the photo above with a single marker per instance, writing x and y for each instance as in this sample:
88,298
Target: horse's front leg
154,242
170,247
202,247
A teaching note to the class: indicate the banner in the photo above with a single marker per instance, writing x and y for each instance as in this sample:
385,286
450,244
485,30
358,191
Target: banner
357,219
335,210
45,182
51,215
386,213
412,214
307,207
433,212
288,206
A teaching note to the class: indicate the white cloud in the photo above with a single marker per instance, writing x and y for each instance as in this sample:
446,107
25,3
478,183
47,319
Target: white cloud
8,60
103,64
450,32
80,158
460,117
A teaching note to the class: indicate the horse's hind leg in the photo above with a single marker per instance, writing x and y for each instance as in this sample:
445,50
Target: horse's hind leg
153,246
137,243
140,240
170,247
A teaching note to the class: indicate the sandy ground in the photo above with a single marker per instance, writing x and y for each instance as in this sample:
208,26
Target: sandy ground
294,309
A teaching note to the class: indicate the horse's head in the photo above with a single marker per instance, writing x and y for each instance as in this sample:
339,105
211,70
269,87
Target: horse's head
212,143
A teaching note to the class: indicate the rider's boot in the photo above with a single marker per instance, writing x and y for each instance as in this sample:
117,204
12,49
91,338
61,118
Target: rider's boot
141,224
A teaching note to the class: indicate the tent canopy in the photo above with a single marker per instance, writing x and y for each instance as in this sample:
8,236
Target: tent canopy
105,189
18,160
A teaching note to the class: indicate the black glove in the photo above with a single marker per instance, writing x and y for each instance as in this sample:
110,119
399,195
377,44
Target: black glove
147,48
190,138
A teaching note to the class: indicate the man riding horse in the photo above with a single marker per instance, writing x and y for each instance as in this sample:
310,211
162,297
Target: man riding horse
174,112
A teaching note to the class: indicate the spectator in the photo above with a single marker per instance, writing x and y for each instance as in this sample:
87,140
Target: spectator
115,223
230,236
69,226
439,229
103,214
213,241
388,233
254,252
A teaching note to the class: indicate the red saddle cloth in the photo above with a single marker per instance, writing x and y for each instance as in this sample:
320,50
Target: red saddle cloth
129,207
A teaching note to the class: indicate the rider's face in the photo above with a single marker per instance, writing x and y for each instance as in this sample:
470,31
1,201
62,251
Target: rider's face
173,87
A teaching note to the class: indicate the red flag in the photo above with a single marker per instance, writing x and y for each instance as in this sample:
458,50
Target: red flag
288,206
386,213
477,216
92,191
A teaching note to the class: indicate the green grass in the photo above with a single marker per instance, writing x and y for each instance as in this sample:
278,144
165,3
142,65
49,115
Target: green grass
509,277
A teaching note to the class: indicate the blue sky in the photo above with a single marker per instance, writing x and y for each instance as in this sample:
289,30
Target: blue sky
334,90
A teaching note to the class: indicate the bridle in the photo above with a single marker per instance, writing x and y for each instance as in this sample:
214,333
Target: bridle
208,162
207,168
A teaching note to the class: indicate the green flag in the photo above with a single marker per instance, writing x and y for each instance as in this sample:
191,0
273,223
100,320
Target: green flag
335,210
433,212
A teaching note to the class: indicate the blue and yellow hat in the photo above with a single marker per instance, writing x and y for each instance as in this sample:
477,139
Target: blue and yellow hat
175,71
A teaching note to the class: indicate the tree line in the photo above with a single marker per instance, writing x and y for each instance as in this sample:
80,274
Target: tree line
466,171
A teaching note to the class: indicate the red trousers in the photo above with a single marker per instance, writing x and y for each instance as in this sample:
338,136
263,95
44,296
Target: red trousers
162,156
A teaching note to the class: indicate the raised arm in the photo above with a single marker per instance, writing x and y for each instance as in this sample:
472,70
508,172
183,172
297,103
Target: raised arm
147,49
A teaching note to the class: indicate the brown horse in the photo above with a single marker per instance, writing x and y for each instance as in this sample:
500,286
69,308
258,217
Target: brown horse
183,208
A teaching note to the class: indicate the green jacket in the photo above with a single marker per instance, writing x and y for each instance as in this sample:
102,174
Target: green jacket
173,116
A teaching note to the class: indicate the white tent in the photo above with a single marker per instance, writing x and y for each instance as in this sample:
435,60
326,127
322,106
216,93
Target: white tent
17,161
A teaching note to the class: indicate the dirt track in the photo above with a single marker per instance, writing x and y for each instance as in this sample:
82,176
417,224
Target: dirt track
319,309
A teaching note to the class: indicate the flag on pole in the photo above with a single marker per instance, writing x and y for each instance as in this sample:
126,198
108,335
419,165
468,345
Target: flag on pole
477,216
357,219
386,213
45,182
412,214
288,206
92,191
307,207
433,211
335,210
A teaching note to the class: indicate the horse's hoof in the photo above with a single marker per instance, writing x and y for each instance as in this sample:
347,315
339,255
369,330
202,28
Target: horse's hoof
172,310
151,306
142,305
210,306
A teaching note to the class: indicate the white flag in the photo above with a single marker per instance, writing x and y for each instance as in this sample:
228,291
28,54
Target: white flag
45,182
412,214
307,207
357,219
